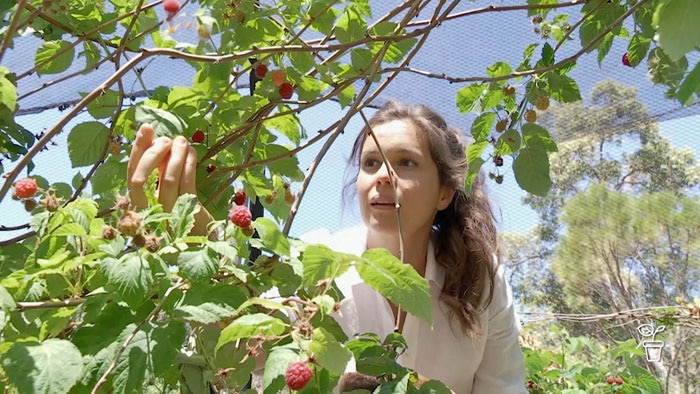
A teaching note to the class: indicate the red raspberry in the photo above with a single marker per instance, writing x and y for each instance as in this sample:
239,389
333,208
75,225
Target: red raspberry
239,198
25,188
498,160
610,380
261,71
198,136
286,90
618,381
241,216
211,168
171,6
626,60
298,375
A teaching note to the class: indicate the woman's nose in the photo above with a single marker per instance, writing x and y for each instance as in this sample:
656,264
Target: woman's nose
382,175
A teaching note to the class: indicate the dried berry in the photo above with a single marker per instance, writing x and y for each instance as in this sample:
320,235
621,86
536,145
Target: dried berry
129,223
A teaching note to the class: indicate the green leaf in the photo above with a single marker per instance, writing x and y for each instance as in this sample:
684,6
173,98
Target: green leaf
434,387
328,352
150,353
398,282
276,368
498,69
104,105
468,98
210,304
679,32
86,142
271,236
51,367
473,167
690,85
186,207
351,26
509,142
320,262
481,128
69,229
322,16
7,303
130,277
198,266
251,325
361,58
475,150
536,136
637,49
563,88
8,91
54,57
164,123
531,169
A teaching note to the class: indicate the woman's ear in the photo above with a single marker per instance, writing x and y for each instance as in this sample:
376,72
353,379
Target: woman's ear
446,196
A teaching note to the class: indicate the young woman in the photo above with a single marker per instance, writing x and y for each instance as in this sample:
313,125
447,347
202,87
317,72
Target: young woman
449,237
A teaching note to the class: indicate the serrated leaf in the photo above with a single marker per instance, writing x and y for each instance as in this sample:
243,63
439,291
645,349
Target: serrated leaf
536,136
434,387
509,142
328,352
8,92
469,97
276,367
638,49
199,265
104,105
130,277
185,208
51,367
531,169
351,26
86,142
150,353
271,236
690,85
251,325
54,57
481,127
7,303
679,32
498,69
165,123
397,281
69,229
473,167
320,262
563,88
209,304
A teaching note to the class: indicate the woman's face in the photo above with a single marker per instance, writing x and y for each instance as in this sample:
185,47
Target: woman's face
418,187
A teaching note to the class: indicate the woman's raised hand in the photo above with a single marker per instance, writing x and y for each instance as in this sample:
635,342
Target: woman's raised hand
176,162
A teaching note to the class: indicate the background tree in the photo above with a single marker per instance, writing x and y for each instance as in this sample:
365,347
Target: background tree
619,229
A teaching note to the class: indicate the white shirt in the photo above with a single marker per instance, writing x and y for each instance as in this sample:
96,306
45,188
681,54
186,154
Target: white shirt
492,364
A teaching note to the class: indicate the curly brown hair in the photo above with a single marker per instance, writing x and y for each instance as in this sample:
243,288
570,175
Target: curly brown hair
466,240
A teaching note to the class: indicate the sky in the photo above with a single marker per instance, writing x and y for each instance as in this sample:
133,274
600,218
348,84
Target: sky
322,206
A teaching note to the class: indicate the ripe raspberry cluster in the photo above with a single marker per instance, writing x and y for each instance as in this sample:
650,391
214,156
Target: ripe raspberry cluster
298,375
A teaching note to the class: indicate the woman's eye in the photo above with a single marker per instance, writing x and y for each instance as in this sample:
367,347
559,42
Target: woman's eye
369,163
407,163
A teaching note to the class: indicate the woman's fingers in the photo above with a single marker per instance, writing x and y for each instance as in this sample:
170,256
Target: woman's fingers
148,161
170,176
143,141
189,173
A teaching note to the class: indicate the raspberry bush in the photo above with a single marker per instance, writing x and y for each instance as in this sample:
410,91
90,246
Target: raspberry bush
97,297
